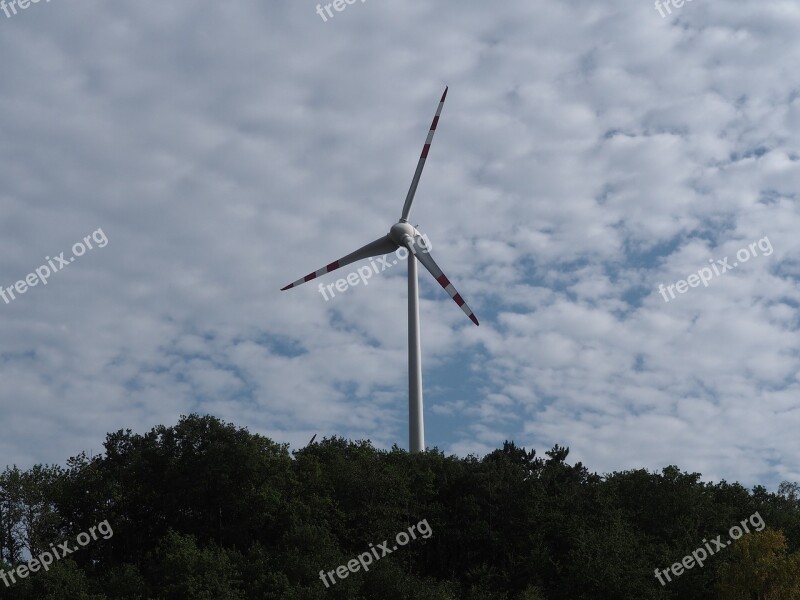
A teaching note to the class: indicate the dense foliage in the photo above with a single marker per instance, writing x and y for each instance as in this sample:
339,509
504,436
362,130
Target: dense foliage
204,510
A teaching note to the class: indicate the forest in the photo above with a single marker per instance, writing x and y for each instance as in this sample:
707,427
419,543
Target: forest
207,510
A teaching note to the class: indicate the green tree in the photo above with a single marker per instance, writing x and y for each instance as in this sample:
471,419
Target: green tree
761,569
187,572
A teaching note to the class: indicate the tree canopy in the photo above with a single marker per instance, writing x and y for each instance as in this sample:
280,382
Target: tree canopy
206,510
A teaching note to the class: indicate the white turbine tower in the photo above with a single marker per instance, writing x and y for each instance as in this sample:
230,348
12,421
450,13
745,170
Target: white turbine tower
403,234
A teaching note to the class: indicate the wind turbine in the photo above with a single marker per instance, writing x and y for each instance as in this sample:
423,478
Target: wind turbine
404,234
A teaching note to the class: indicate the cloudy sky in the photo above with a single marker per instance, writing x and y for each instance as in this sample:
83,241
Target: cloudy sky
588,152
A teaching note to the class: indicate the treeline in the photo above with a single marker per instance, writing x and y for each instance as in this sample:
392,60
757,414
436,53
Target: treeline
207,511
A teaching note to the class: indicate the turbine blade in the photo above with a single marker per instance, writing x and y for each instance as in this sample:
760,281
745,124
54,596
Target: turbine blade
418,173
424,256
382,245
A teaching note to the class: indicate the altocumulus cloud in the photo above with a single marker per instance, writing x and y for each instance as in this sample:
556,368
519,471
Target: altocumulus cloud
588,151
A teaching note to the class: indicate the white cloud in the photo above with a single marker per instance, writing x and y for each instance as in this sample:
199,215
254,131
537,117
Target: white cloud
587,152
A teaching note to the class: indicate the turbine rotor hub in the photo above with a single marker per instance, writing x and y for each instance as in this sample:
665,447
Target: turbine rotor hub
400,231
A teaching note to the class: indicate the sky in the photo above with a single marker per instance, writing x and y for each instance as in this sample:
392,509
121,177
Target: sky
587,154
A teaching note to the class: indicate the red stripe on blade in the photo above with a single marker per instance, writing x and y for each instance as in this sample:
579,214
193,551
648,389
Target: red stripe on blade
474,319
425,149
283,289
309,277
332,266
459,300
445,94
435,123
443,281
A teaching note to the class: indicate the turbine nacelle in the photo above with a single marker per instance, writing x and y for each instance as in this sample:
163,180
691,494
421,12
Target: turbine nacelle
401,231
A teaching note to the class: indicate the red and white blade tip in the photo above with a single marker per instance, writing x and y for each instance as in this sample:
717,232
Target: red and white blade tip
448,287
331,267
